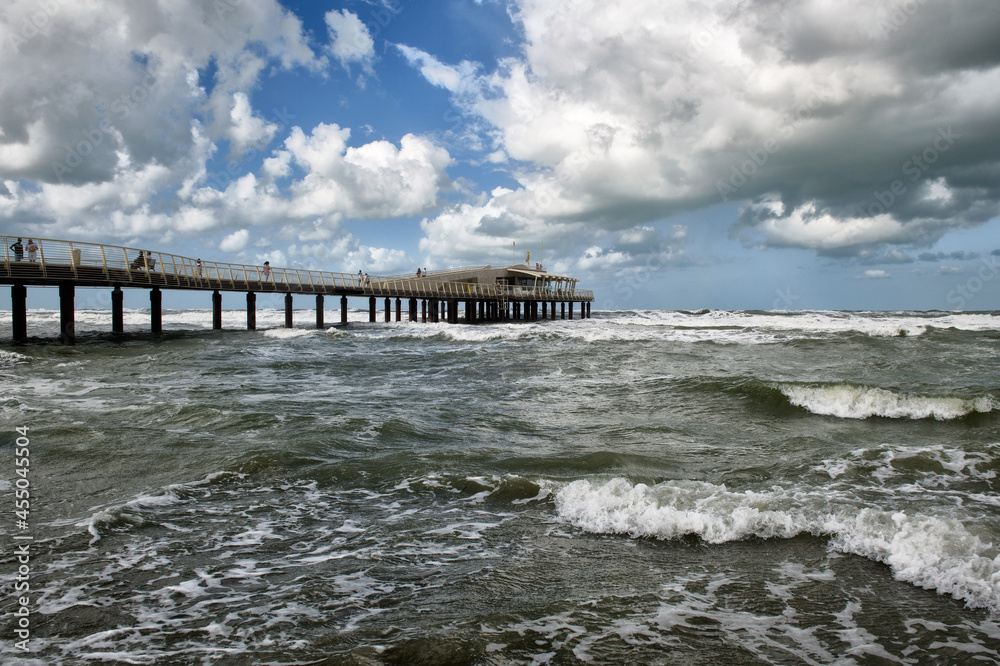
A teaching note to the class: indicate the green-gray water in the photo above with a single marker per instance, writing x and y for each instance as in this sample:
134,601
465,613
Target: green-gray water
641,487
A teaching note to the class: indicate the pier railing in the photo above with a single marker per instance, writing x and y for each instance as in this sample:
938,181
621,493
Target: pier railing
430,287
95,263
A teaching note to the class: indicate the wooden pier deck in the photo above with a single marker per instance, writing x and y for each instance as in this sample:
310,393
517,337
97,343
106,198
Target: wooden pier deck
488,293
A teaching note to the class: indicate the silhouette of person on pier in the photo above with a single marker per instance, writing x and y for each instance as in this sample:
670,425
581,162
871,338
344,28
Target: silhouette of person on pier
18,250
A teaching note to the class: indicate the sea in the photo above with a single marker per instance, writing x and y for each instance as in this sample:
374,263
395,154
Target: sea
641,487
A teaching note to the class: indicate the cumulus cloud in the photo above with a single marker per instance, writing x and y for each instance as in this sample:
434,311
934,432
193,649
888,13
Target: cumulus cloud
236,241
249,131
626,113
113,113
121,83
875,274
350,41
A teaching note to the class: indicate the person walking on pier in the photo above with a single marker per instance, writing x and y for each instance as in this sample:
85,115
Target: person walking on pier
18,250
267,270
32,251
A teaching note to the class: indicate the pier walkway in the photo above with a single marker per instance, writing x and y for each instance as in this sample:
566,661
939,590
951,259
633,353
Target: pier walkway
488,293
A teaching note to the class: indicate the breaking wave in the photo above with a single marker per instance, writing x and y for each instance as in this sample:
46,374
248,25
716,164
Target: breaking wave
936,552
849,401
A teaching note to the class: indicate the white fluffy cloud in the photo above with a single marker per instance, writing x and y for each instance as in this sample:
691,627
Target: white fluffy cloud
249,131
374,180
236,241
350,40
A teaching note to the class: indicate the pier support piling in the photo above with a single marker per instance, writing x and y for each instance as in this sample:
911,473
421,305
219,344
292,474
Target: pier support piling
343,310
399,309
388,310
156,310
251,311
371,309
117,311
413,309
288,310
216,311
67,325
19,312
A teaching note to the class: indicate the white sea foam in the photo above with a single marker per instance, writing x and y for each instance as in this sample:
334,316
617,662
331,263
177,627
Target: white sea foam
937,552
720,326
9,358
849,401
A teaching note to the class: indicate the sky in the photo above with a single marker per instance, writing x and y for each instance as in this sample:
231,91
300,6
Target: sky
671,154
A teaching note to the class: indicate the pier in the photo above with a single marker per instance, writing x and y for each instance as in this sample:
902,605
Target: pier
481,293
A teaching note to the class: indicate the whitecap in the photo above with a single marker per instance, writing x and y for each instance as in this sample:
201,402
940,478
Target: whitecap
849,401
938,552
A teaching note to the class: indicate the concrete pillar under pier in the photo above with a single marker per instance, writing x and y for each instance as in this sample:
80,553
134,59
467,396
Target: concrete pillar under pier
413,309
562,308
19,312
588,310
216,311
343,310
545,310
251,311
320,308
288,310
388,310
435,310
372,307
156,310
67,324
571,309
423,311
553,310
399,309
117,311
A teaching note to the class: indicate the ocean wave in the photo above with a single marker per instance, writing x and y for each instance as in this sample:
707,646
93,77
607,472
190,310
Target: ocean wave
937,552
9,358
809,323
133,513
850,401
